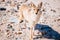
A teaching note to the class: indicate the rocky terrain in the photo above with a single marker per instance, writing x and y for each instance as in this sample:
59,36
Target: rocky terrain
29,19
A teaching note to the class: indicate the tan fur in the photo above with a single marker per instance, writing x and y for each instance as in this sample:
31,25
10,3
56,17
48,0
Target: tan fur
27,9
29,14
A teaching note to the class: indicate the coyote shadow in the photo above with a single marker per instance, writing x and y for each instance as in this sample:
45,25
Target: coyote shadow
47,32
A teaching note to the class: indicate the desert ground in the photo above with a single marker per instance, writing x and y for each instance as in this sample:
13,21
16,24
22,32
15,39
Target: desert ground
29,19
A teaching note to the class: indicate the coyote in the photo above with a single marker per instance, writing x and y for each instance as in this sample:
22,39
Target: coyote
30,13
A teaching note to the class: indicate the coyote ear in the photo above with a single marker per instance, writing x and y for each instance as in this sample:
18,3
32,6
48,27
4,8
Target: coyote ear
32,5
40,5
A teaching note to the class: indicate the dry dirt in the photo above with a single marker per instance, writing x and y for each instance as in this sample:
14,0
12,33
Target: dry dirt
18,18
